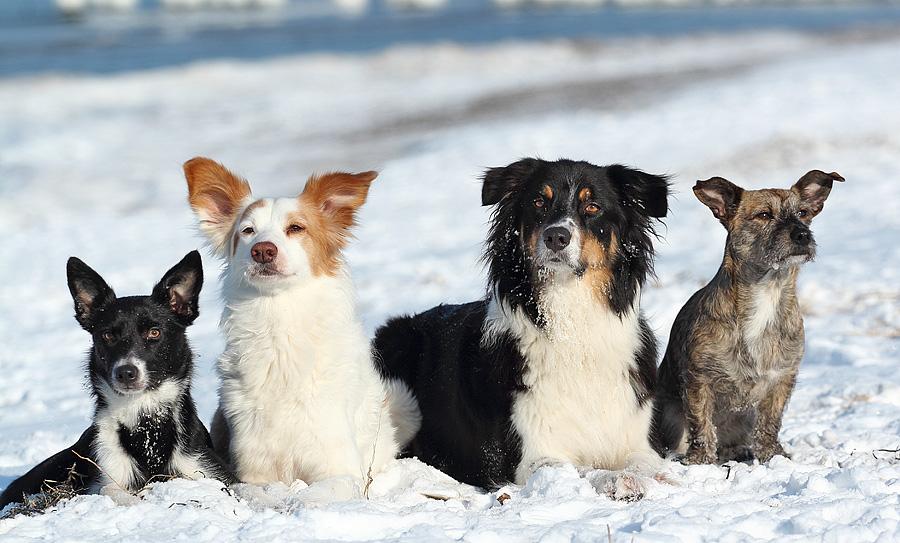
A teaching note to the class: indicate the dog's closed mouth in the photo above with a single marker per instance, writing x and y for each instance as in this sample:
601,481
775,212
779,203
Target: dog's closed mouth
264,272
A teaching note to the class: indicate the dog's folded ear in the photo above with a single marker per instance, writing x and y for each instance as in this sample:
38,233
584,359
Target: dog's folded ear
498,182
814,188
648,191
180,288
89,291
719,195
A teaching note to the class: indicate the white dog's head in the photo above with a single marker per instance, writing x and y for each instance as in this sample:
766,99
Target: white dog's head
272,243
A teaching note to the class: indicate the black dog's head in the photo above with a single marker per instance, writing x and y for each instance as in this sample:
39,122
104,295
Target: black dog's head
139,341
556,221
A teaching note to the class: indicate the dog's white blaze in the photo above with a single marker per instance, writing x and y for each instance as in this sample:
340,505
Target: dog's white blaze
302,396
267,219
570,255
579,406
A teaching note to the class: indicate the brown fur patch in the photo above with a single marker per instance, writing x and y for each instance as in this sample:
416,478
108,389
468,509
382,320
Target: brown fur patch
215,194
585,194
547,192
596,259
328,206
214,189
735,347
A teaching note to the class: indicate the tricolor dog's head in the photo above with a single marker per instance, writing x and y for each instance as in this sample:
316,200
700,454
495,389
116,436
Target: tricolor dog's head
139,341
565,220
272,243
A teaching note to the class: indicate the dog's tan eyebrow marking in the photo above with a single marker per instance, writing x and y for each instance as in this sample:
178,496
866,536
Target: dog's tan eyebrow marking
250,208
585,194
236,238
547,191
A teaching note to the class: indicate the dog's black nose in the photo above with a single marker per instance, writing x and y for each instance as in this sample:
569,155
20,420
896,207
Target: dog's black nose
264,252
557,238
801,236
126,374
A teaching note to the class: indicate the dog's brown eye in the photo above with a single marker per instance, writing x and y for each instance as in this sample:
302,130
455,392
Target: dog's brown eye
153,333
592,208
248,230
802,213
109,336
764,216
539,201
295,228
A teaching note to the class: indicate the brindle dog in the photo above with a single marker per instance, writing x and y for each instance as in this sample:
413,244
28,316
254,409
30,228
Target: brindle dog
735,347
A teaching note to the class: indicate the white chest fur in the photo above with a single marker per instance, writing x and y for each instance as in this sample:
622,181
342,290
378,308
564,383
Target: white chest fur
299,388
579,405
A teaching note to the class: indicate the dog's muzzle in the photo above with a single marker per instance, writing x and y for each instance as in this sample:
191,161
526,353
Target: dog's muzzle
128,376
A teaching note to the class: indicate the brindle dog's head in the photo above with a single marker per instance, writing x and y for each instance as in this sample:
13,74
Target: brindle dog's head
768,228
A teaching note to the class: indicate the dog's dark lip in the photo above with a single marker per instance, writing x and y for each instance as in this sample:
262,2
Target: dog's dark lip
130,390
264,272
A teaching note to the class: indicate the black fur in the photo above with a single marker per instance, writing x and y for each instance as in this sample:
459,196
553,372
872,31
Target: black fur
146,328
465,386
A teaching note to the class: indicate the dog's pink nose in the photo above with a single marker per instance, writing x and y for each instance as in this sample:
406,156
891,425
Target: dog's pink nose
264,252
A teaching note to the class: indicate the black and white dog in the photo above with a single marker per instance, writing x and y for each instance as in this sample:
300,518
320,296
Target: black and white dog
145,422
557,364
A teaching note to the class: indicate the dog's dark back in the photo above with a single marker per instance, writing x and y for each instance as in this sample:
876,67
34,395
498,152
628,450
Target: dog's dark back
462,388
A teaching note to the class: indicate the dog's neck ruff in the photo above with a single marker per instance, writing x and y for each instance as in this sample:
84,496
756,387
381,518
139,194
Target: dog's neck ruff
575,329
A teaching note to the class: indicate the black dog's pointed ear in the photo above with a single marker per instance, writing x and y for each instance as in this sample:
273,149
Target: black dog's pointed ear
814,187
647,191
180,288
498,182
89,291
719,195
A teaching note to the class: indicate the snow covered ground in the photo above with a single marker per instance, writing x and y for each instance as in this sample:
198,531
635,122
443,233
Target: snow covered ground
91,166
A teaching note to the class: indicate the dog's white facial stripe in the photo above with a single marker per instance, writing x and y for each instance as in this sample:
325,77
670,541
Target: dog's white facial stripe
566,258
267,221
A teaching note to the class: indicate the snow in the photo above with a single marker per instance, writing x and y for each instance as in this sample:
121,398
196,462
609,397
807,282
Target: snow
91,166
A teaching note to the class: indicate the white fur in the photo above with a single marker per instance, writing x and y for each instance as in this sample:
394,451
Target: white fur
299,389
764,308
118,467
579,406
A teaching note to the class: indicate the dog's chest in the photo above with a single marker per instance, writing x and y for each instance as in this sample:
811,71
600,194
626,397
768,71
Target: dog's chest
151,442
769,344
578,401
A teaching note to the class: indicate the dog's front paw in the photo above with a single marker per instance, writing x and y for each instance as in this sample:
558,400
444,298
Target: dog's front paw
737,454
618,485
696,457
766,453
119,495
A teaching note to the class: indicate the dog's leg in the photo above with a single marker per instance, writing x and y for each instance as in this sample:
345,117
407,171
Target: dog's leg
699,404
768,419
220,435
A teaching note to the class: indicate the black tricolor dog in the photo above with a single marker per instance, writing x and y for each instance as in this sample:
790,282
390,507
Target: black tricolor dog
557,364
145,422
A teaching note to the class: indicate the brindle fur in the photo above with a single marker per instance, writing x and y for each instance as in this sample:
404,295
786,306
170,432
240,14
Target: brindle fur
735,347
